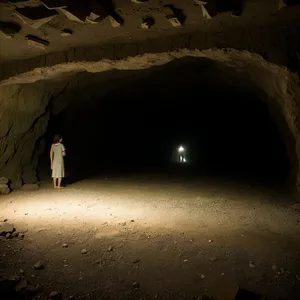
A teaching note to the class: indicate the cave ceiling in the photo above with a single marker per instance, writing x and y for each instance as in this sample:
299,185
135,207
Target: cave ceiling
30,28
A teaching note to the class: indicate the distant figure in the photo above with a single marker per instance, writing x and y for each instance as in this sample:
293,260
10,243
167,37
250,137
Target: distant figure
57,153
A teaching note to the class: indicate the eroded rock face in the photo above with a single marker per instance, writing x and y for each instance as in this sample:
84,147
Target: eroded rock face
23,120
34,96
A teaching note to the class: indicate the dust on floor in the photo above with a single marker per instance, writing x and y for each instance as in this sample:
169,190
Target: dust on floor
152,239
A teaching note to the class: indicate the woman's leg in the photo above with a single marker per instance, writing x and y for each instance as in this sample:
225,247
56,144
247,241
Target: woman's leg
54,182
59,183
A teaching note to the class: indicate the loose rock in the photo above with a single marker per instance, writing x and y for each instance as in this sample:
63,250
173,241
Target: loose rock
15,234
136,285
110,248
53,294
83,251
6,228
38,265
64,245
251,264
202,276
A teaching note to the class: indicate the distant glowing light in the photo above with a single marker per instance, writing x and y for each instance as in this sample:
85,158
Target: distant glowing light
180,149
184,160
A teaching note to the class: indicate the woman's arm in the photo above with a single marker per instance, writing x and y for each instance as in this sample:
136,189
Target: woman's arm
51,157
63,150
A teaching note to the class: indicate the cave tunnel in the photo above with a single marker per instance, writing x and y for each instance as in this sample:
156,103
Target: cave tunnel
226,122
128,196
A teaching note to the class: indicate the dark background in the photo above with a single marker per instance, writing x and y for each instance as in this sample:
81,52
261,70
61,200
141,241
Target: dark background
224,123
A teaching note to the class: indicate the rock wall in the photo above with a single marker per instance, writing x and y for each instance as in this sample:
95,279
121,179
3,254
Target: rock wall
274,37
24,118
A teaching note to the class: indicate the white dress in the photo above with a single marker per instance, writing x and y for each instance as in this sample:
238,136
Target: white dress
58,166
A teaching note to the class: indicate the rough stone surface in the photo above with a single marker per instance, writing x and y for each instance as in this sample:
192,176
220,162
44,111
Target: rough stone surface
37,42
3,180
4,189
273,36
9,29
32,109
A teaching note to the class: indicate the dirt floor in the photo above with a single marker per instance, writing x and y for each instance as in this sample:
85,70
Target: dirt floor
136,238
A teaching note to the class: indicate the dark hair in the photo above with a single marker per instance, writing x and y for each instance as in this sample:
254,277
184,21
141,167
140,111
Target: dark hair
57,138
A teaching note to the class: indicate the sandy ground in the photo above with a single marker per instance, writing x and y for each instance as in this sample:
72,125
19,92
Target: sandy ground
154,239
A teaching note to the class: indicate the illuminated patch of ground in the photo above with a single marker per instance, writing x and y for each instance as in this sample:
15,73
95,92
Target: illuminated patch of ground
175,238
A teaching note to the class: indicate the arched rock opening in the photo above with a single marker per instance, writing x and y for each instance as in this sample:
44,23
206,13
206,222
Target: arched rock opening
36,96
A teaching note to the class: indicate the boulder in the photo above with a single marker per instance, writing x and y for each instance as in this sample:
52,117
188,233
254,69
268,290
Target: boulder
4,189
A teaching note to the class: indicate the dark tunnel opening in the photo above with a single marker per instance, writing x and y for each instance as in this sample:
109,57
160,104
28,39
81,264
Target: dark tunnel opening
224,123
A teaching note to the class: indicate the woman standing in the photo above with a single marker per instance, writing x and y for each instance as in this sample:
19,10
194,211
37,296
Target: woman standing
57,153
